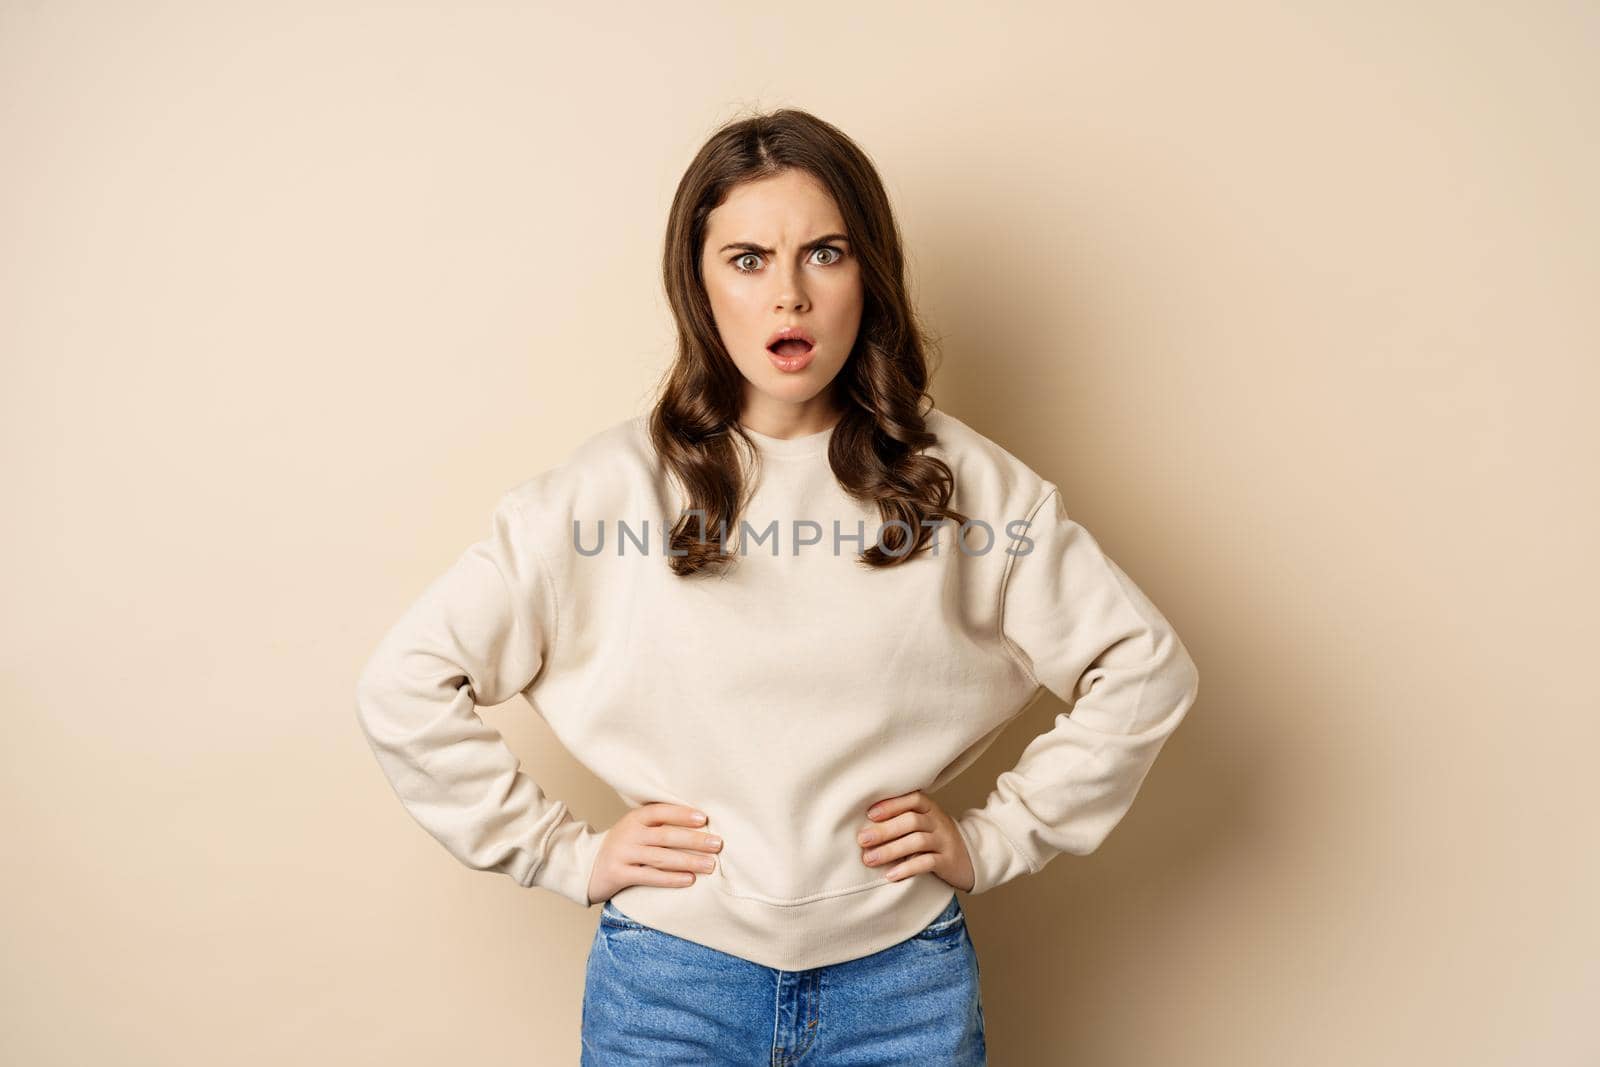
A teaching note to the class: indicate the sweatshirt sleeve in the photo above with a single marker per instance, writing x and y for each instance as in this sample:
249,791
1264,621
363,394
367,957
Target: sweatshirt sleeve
476,636
1086,633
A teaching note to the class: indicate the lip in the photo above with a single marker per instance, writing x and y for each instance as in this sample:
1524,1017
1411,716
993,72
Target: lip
793,364
792,333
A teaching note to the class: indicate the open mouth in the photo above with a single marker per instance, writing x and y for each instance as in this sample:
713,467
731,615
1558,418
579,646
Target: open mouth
789,347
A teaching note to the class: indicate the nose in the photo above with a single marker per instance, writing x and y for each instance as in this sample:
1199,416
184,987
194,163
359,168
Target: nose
791,293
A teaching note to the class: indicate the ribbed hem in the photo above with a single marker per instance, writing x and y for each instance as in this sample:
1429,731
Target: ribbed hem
790,937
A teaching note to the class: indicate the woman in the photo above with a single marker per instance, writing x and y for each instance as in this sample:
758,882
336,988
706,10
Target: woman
776,613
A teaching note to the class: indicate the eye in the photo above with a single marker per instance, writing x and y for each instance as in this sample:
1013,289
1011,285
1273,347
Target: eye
834,254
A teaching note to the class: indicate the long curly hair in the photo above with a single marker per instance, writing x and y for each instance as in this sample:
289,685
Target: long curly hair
876,448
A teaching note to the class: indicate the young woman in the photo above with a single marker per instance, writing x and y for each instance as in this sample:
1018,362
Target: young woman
776,613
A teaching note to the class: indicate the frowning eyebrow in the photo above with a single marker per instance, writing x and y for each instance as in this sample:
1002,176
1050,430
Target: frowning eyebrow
813,243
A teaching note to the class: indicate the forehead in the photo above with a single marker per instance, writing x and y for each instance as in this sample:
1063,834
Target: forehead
789,206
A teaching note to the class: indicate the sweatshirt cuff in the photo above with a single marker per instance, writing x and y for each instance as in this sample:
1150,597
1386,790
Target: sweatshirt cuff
570,851
994,859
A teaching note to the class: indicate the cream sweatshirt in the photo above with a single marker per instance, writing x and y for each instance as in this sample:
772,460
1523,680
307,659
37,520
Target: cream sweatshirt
782,697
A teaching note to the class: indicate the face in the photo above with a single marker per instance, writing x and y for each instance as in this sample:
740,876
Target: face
776,256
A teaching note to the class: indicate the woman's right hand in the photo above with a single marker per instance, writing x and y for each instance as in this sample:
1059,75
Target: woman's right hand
650,846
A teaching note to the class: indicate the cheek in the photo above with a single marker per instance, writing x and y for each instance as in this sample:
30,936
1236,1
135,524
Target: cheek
735,321
848,300
722,307
847,287
728,302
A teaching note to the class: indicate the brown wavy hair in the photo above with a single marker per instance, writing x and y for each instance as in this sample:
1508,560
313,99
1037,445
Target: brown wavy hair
876,448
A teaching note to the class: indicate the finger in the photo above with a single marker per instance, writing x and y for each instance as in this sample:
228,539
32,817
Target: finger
671,859
661,813
904,823
652,876
919,841
675,837
921,862
911,801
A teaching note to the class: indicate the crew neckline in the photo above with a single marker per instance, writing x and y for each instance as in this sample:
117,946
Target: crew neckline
810,444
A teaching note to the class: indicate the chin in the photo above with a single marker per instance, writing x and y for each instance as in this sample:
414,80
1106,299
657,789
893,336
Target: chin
791,391
794,388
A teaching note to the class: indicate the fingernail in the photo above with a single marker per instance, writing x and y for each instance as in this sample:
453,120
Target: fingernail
699,816
863,837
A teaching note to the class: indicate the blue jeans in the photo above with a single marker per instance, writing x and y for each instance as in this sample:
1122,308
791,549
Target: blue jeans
652,998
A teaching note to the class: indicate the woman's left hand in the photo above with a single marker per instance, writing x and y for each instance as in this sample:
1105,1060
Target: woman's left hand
913,834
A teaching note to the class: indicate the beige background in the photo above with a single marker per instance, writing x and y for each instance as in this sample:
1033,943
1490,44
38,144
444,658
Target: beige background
1296,302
